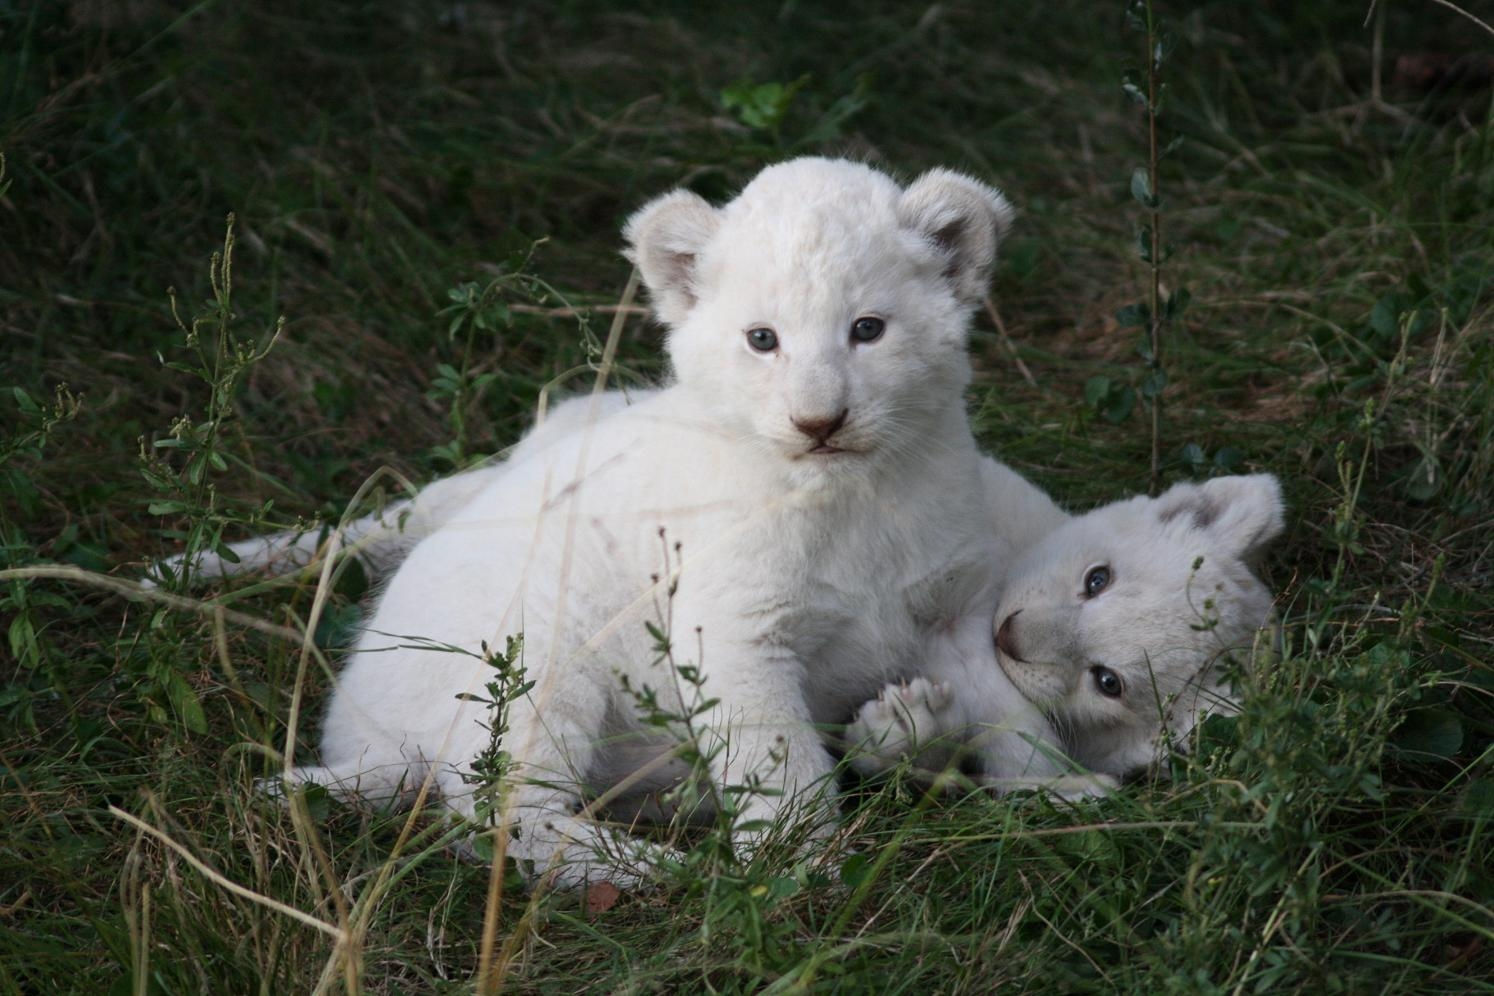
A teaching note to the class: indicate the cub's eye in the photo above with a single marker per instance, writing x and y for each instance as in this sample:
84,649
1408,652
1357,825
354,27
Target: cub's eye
1107,682
867,329
762,340
1096,580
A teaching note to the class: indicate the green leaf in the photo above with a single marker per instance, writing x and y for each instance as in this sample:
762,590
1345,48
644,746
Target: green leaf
319,804
1430,733
1095,390
184,701
1153,383
1119,406
762,106
1218,732
1141,188
1166,43
338,626
1144,243
1133,316
22,639
782,886
1228,458
1383,317
1478,799
855,870
1144,345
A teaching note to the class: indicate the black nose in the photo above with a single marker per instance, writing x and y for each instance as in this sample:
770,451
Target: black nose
821,429
1006,642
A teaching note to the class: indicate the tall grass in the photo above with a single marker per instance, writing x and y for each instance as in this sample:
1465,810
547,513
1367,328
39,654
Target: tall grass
431,196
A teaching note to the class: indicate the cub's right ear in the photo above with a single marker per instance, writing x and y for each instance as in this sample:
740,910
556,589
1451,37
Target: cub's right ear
665,238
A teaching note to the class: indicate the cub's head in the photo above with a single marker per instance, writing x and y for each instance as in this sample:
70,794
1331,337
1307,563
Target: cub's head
823,312
1118,622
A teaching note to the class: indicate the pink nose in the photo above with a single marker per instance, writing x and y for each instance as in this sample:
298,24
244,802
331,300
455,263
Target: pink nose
821,429
1006,642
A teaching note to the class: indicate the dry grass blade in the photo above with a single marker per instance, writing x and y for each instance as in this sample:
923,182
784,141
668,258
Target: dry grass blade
269,902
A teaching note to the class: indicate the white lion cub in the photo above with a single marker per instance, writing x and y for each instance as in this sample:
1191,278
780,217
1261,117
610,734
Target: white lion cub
1114,624
796,511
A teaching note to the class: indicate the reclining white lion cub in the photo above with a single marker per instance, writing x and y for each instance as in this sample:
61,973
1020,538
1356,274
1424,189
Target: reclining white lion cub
796,509
1115,623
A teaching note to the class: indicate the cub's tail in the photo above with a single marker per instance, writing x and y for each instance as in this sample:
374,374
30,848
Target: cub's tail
380,541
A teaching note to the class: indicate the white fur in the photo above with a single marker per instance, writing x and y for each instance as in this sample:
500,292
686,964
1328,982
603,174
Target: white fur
1181,598
798,582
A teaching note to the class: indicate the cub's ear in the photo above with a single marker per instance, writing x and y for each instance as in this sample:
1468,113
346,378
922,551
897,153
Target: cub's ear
964,219
665,238
1242,514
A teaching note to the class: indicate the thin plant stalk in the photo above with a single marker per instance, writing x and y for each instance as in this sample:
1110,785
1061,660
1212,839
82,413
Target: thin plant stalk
1154,309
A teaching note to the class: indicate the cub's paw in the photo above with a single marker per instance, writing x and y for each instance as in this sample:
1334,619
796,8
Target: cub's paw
1089,785
896,725
565,853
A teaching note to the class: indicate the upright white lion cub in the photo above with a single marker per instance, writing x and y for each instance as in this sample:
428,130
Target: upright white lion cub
797,510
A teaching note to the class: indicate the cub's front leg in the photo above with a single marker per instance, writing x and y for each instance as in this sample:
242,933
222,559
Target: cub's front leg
765,754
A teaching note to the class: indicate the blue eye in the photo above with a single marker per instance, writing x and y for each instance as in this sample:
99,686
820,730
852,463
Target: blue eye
762,340
1096,580
1107,682
867,329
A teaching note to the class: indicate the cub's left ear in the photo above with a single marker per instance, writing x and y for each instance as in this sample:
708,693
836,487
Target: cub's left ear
964,220
1242,513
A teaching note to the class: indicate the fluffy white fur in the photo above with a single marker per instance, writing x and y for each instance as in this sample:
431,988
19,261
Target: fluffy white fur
1180,596
816,510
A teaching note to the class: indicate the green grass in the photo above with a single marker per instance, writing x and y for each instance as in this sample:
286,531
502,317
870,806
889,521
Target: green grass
1337,243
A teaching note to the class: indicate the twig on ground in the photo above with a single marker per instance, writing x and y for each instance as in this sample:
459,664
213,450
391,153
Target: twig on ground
1006,341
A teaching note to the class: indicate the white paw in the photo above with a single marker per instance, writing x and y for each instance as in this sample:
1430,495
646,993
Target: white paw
160,572
896,724
1089,785
566,852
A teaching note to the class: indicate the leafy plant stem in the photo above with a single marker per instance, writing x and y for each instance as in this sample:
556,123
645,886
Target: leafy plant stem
1153,72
